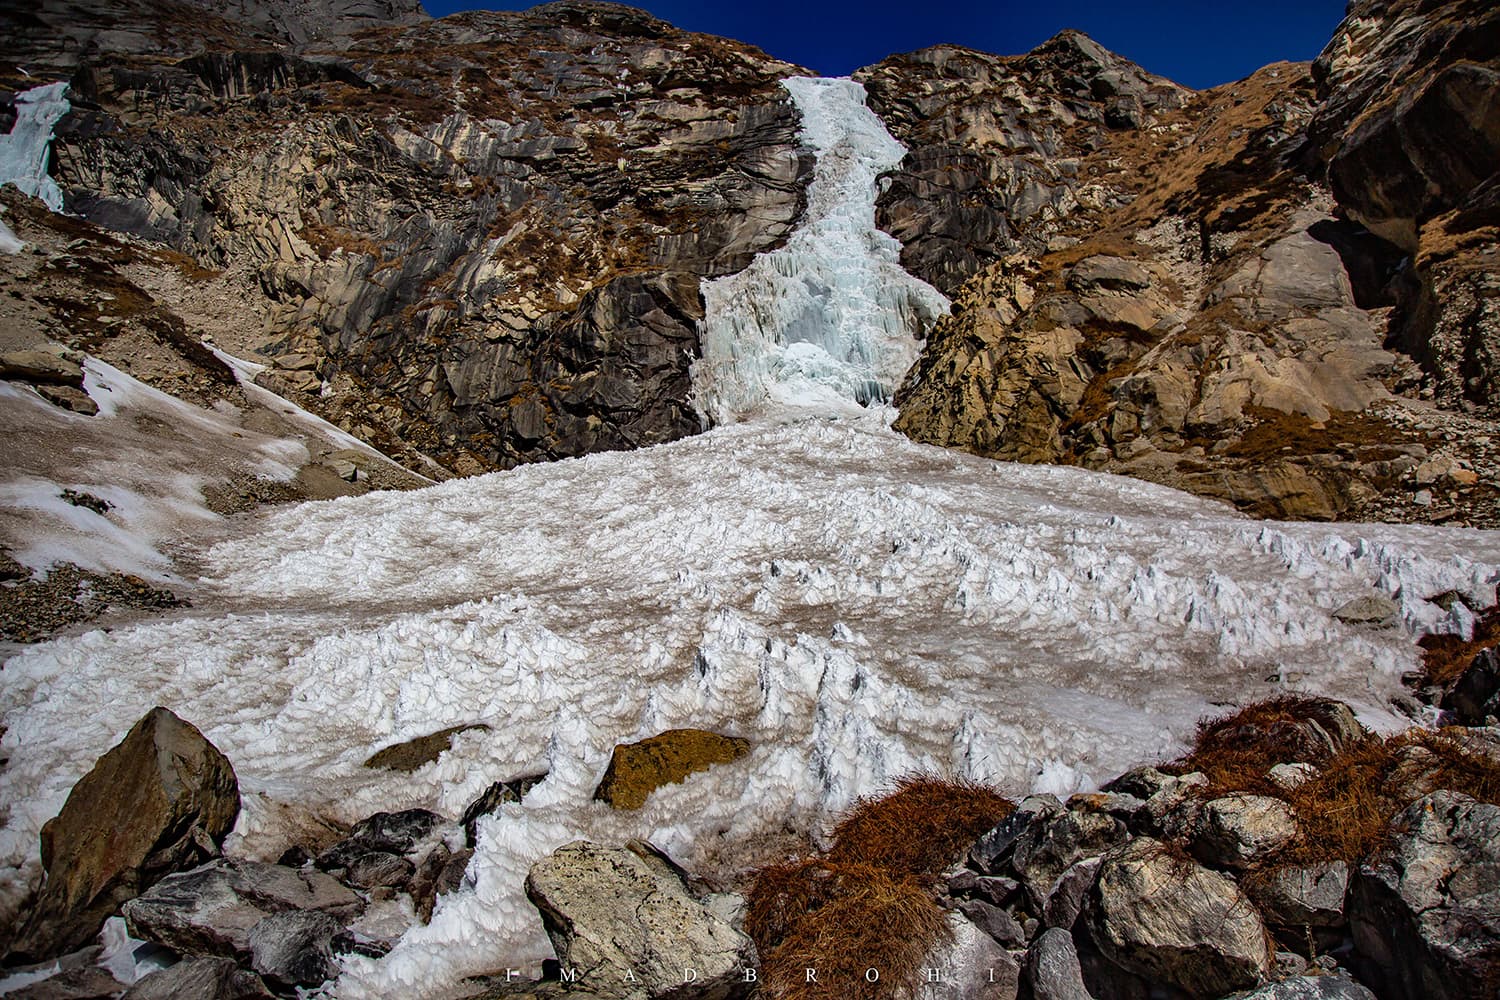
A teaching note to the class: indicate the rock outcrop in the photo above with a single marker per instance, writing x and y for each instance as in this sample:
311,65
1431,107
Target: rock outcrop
478,239
161,801
1157,282
1425,915
638,769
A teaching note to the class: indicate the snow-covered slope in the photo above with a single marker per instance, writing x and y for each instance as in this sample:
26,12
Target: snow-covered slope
857,605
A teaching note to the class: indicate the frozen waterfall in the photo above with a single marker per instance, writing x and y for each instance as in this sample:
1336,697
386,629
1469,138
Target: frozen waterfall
24,152
831,321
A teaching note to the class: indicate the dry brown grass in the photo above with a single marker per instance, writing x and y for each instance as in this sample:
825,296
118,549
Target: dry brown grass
868,904
1445,657
1235,751
917,830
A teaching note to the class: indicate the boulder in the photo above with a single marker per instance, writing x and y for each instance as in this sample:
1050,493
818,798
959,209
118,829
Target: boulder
199,979
1475,696
82,982
1067,897
609,910
215,909
1159,914
493,798
1235,831
377,849
1380,612
1309,988
1425,912
991,853
41,368
969,965
1050,848
414,753
1053,969
638,769
160,801
1297,897
295,948
995,922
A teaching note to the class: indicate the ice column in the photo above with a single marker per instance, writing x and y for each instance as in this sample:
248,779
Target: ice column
23,153
831,321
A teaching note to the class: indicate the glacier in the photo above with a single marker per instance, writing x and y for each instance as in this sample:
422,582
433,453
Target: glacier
856,605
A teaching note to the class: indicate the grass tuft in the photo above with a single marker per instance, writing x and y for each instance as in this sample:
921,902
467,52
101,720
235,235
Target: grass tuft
917,830
1235,751
869,903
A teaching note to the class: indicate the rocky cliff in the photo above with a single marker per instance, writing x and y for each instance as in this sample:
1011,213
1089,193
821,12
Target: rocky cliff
1211,290
472,242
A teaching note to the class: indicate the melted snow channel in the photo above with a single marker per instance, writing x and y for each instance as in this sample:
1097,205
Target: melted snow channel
830,321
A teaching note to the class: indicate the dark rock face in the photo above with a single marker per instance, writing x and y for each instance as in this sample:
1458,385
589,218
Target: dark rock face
1409,138
478,239
161,801
990,156
1425,914
1475,696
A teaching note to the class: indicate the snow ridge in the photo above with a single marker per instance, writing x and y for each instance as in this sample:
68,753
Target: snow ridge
831,321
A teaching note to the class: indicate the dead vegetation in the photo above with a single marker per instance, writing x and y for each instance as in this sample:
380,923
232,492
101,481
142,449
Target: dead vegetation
1344,811
867,908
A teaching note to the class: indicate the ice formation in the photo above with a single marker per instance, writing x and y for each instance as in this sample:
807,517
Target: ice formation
857,605
24,152
831,319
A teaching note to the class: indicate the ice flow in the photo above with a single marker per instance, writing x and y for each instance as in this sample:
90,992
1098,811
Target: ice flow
830,321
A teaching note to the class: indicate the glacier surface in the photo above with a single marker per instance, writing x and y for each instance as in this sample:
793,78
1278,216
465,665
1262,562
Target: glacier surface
24,152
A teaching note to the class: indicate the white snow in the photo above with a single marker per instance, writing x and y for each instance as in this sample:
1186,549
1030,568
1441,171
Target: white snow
831,320
9,241
858,606
24,152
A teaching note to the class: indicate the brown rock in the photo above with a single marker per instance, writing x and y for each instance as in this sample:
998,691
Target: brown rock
638,769
414,753
161,801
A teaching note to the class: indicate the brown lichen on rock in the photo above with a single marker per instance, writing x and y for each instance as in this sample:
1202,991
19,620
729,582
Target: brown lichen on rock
638,769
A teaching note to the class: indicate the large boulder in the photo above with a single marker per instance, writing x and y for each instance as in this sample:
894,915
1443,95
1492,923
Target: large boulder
1301,896
1235,831
1159,914
1426,912
218,909
199,979
638,769
161,801
613,911
1053,969
968,964
1310,988
1475,696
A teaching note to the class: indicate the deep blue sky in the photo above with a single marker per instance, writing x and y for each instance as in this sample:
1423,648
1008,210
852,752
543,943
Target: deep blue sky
1200,44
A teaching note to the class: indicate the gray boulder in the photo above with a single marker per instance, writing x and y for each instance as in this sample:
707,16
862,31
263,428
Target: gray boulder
1371,609
1426,912
199,979
1051,847
1165,917
295,948
993,850
1235,831
1066,900
608,910
1311,896
215,909
1053,969
1309,988
995,922
160,801
969,965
